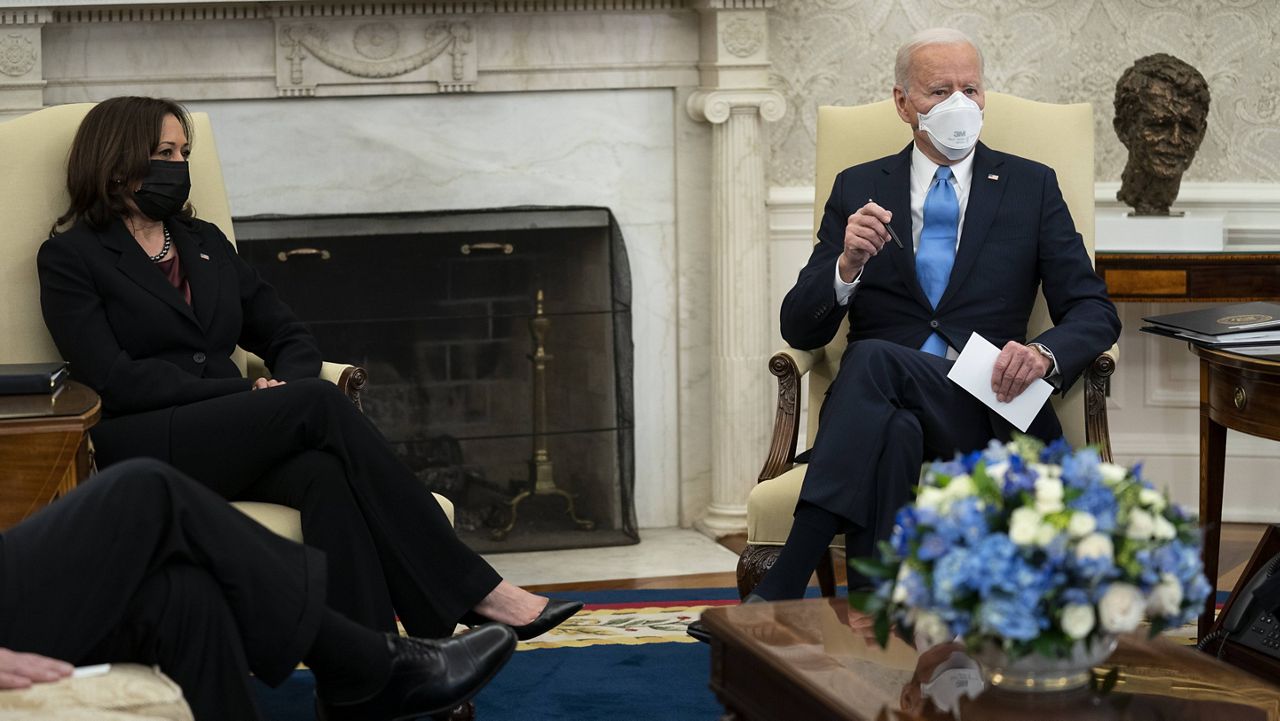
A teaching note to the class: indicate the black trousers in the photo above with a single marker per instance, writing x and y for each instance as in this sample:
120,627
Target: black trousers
304,445
141,564
888,410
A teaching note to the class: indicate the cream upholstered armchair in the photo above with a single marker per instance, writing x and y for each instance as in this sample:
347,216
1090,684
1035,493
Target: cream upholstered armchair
851,135
33,166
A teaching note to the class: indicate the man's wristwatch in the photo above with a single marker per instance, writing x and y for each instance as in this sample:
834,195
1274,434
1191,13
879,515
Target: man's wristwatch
1044,351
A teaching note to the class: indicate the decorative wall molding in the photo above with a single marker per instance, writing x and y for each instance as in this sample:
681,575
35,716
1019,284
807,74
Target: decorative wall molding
345,52
24,16
715,106
92,12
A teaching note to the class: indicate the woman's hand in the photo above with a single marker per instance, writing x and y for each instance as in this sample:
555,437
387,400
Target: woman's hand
20,670
266,383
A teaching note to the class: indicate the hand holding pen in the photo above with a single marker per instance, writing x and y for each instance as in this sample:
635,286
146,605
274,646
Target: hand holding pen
865,235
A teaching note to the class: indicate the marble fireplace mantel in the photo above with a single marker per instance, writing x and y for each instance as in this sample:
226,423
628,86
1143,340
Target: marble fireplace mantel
650,107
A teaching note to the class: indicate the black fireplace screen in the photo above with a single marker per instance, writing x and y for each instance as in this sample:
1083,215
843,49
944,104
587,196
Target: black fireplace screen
498,345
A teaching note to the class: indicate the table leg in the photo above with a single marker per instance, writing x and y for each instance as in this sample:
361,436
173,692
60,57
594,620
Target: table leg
1213,447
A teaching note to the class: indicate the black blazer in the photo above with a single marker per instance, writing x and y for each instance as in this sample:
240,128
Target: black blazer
131,336
1018,237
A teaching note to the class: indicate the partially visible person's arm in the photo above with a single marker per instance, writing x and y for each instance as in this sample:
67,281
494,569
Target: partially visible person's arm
270,329
20,670
847,239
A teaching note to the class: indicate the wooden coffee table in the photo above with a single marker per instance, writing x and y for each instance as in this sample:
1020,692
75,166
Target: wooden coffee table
804,660
44,448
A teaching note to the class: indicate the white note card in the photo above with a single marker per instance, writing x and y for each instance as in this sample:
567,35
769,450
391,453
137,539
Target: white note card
89,671
972,372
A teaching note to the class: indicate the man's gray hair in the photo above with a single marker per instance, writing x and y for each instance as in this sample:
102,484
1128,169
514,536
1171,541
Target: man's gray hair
925,38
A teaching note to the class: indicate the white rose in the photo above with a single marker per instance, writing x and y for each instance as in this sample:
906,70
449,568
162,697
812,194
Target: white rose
900,588
1077,620
1024,524
1045,471
1166,597
930,498
930,630
1112,474
1142,525
997,472
1153,498
1048,495
960,487
1120,609
1095,545
1082,523
1045,534
1164,530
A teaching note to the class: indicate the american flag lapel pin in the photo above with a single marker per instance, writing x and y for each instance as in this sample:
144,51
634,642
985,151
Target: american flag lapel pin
993,176
203,256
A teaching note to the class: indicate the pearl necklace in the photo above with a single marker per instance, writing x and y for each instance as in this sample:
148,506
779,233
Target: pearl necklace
168,243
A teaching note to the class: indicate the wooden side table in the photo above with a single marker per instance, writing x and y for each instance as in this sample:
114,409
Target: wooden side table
44,448
1241,393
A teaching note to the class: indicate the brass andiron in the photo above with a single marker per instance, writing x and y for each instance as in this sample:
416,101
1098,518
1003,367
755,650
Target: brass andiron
540,465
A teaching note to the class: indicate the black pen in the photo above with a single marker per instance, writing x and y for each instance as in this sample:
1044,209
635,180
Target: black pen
892,233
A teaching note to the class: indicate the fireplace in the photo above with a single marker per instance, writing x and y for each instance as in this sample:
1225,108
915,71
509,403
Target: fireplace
498,345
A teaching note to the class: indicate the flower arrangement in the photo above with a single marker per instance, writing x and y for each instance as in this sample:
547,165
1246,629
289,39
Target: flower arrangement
1034,549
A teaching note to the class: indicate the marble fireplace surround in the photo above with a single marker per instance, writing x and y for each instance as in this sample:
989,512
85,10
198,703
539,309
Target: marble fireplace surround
652,108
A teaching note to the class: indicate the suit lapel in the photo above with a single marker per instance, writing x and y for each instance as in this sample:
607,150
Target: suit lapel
202,273
138,268
986,190
894,193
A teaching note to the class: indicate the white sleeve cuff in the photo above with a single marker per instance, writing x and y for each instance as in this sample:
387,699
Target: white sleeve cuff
844,290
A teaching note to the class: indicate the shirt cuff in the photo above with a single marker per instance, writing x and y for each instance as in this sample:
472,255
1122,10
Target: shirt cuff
844,290
1044,351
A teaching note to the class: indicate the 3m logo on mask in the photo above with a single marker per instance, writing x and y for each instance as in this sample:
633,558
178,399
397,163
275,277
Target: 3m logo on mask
953,125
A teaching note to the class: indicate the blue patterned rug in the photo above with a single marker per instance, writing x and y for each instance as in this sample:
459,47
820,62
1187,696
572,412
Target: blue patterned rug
626,655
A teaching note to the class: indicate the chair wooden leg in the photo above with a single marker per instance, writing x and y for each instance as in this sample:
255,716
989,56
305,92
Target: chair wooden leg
754,562
827,574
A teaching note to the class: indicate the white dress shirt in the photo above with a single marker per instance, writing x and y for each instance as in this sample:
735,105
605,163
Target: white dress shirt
922,172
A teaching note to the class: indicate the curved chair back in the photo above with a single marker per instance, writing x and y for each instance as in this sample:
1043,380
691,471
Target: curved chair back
851,135
33,193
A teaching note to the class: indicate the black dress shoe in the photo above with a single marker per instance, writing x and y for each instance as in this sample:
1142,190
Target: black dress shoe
429,677
699,631
555,613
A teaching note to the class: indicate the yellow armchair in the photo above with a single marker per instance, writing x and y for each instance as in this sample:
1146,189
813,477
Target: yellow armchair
851,135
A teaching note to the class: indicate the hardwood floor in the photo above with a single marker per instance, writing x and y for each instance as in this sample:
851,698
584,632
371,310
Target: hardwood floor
1238,542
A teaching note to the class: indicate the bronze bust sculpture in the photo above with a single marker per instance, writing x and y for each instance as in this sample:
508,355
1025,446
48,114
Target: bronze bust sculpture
1162,109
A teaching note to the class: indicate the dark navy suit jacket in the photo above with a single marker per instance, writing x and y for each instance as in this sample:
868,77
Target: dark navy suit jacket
1018,237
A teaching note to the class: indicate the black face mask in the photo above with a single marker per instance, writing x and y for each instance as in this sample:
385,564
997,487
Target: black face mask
165,190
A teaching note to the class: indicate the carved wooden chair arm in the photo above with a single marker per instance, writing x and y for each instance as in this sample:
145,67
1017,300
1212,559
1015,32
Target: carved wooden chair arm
1096,377
349,379
789,365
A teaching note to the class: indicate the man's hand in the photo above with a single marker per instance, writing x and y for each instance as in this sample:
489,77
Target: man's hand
266,383
1016,366
864,236
20,670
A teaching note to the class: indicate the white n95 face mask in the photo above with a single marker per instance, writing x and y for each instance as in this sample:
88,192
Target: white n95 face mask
953,125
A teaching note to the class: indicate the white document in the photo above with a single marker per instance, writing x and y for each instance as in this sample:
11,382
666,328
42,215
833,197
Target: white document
972,372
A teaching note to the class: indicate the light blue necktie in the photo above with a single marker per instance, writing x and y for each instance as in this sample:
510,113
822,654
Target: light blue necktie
937,251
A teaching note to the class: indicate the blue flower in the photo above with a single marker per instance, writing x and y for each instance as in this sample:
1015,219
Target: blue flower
1080,470
1019,478
1055,451
1005,618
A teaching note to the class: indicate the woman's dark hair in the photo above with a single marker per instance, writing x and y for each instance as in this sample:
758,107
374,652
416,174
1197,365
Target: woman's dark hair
111,153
